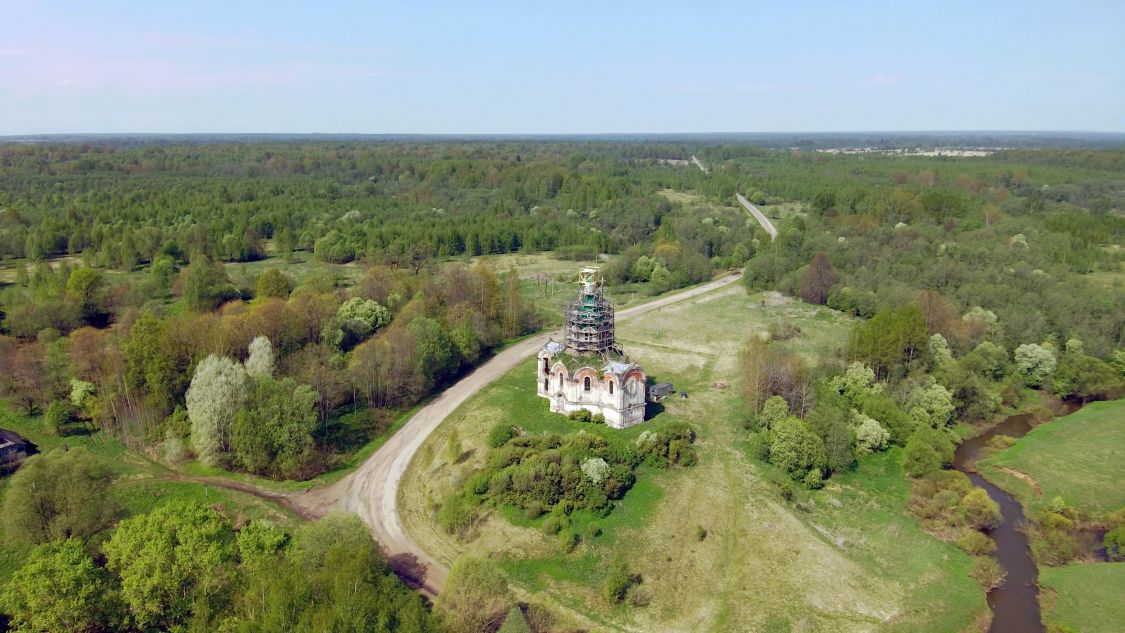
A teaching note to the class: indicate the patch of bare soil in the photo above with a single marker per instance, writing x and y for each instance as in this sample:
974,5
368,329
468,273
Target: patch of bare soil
1022,476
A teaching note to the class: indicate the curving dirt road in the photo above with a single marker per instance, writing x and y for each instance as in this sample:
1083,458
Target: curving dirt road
372,490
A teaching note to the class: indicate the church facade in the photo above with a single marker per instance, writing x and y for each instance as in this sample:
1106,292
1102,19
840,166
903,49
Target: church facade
589,371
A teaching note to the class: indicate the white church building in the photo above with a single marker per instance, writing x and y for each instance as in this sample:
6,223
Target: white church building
589,371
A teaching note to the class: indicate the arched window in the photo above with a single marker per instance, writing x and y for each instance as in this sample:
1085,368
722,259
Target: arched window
545,387
586,383
611,387
560,381
545,366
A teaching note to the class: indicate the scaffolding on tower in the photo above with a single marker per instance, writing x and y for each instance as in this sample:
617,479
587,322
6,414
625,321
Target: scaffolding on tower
589,319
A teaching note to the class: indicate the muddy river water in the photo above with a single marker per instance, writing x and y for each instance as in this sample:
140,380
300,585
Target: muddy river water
1015,604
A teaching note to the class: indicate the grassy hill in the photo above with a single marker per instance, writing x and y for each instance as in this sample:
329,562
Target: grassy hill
846,558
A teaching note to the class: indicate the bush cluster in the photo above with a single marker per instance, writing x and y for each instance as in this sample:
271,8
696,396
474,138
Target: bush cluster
557,474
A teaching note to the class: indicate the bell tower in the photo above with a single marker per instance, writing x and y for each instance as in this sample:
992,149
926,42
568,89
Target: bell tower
589,319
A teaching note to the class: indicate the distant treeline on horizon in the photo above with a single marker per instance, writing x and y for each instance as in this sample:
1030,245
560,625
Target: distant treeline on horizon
800,140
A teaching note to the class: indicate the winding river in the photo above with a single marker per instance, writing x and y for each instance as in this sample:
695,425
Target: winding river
1015,603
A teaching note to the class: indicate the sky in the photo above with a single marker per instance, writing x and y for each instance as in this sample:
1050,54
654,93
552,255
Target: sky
560,68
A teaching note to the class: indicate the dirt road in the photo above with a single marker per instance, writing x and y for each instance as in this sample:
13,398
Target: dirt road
759,216
372,490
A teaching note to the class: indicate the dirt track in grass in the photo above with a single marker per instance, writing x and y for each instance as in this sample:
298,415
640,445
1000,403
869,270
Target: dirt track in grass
372,490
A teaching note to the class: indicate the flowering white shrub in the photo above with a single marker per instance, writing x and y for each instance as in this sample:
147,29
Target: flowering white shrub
596,469
1036,363
870,436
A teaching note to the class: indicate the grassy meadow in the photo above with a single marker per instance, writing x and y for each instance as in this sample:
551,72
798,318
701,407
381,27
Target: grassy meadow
846,558
1080,457
1085,598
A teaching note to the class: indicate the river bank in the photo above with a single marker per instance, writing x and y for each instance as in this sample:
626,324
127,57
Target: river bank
1015,601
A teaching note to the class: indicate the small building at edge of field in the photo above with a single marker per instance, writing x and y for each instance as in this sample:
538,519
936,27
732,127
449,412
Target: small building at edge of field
659,391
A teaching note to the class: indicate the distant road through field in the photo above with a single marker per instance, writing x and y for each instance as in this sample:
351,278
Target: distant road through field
699,164
372,490
759,216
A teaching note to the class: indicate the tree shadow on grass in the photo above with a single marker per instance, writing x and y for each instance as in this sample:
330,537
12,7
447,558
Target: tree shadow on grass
409,569
75,429
465,455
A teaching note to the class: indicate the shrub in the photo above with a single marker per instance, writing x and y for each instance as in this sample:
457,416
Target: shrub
1054,547
785,489
581,415
1115,544
783,330
869,434
760,445
920,459
456,514
813,480
774,410
596,470
618,583
568,541
558,474
979,510
593,530
500,434
987,572
56,416
681,453
554,524
700,533
976,543
796,449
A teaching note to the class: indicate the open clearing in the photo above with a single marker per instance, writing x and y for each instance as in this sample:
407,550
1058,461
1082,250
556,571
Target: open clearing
1086,598
846,558
1080,457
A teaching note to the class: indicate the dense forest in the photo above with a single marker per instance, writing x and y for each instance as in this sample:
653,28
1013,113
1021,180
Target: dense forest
979,280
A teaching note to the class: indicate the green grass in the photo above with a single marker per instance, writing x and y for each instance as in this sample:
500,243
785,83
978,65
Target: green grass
1086,598
1107,279
300,266
1080,457
869,502
141,484
847,558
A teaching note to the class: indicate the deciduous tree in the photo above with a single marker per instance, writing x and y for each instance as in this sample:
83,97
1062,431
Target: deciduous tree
171,561
219,389
273,283
59,495
818,280
60,588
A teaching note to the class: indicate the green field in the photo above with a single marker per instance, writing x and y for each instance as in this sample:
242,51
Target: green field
1086,598
846,558
1080,458
141,483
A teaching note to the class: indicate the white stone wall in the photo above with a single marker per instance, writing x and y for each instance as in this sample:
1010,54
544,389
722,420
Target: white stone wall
567,392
